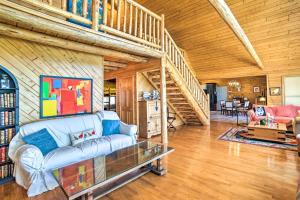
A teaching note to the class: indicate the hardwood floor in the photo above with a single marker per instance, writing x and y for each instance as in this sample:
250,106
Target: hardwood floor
203,167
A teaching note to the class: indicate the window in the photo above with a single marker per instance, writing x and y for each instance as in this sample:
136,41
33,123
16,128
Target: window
291,90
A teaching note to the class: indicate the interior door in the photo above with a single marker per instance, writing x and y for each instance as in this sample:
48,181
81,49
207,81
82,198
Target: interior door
126,99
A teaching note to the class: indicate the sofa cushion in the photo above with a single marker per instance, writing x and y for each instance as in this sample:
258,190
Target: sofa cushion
110,127
119,141
286,111
95,147
81,136
284,120
42,139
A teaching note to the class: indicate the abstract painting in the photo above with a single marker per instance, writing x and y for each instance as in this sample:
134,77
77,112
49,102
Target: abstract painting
62,96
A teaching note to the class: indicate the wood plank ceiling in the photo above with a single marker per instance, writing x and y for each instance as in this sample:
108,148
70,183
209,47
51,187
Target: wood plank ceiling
273,27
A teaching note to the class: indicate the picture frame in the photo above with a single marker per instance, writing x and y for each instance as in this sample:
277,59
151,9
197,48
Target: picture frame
256,89
275,91
65,96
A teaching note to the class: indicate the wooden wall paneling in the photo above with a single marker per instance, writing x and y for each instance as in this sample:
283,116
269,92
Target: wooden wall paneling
213,50
27,61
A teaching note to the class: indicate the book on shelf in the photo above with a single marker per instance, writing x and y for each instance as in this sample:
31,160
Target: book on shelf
6,170
7,118
6,135
7,100
4,154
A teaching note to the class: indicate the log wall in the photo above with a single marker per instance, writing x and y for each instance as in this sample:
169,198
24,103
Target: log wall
27,61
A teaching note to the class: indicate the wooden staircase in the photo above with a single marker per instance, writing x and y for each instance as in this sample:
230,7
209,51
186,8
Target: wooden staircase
184,93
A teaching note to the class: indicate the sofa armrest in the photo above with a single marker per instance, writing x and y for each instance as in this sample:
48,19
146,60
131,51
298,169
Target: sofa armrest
130,130
29,156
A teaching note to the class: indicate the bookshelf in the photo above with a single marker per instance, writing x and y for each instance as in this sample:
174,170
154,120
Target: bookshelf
9,121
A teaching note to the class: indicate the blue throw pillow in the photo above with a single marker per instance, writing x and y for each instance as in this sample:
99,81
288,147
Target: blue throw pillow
42,140
110,127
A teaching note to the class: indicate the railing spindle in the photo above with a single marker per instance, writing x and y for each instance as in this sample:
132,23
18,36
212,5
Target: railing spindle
119,15
74,6
105,8
150,29
64,4
125,17
112,13
136,22
162,33
84,8
141,24
145,26
50,2
130,19
95,15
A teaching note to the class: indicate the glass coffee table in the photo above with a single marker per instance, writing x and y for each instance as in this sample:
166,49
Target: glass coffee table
96,177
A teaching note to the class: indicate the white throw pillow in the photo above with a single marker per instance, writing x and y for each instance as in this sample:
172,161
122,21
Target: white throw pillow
82,136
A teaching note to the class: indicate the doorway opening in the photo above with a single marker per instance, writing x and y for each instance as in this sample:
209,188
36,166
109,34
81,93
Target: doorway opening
234,97
109,99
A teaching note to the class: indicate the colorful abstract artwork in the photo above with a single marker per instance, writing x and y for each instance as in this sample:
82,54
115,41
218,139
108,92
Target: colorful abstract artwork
61,96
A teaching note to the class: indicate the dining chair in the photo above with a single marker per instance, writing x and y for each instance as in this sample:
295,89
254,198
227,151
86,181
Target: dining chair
230,109
223,109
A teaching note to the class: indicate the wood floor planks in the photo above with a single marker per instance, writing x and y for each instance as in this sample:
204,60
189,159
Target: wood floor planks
204,168
27,61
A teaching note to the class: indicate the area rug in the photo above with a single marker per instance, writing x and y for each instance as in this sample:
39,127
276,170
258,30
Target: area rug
233,135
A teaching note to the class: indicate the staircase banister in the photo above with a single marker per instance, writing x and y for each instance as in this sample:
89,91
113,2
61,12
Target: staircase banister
144,9
186,63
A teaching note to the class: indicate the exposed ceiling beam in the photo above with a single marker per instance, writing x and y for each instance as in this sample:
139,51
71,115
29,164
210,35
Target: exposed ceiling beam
12,31
227,15
114,64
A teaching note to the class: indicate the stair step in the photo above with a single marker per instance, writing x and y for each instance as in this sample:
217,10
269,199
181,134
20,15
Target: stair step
157,80
168,85
194,123
175,96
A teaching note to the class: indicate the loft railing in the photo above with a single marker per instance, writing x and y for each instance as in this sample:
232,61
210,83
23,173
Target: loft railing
123,18
129,20
176,57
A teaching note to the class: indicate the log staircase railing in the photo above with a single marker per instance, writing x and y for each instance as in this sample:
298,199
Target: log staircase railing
128,19
175,55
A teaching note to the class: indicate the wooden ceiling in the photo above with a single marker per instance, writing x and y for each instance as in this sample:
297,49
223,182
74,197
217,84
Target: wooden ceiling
273,27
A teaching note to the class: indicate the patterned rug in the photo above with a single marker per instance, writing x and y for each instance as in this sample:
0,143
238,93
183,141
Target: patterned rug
233,135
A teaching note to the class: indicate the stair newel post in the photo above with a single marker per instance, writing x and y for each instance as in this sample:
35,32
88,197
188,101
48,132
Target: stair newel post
95,15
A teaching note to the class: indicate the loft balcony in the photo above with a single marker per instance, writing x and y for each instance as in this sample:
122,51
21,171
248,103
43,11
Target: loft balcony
114,28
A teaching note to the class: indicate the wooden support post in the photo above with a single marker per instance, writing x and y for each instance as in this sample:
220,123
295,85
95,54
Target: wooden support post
163,101
95,15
